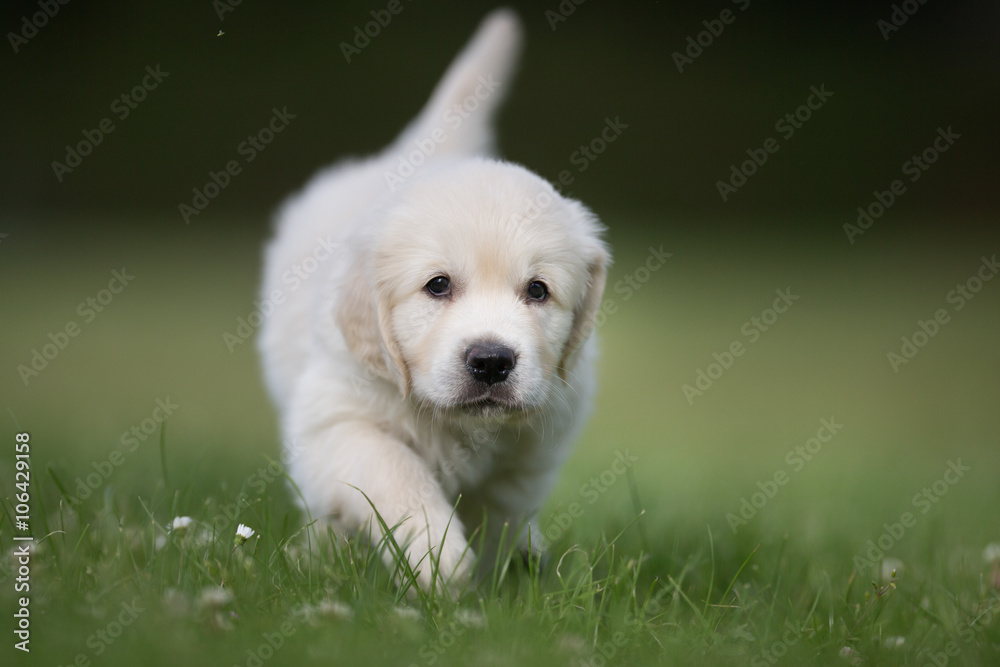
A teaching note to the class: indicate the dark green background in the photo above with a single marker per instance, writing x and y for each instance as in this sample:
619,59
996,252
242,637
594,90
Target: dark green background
655,186
607,59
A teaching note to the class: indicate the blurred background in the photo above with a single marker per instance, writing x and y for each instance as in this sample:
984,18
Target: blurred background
939,68
220,71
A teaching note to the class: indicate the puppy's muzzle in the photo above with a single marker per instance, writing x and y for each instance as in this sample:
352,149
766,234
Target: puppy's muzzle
489,363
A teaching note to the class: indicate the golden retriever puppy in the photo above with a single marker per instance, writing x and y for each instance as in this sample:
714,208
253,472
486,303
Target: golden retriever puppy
430,338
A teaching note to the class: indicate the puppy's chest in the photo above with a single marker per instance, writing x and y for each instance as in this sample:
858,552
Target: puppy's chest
465,460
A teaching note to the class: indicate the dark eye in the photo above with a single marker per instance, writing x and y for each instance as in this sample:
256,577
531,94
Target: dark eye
438,286
537,291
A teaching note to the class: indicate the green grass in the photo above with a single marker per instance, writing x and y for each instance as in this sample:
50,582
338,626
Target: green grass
643,568
634,590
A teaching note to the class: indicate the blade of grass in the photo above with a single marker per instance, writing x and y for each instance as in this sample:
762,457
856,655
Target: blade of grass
163,454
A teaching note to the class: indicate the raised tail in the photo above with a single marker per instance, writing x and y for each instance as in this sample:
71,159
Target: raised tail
458,118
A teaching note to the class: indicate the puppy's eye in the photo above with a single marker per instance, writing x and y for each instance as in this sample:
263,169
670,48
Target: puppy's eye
438,286
537,291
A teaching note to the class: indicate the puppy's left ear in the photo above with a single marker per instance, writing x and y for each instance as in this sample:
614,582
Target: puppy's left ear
585,313
363,316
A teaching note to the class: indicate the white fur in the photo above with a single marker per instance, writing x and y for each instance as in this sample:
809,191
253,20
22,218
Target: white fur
369,370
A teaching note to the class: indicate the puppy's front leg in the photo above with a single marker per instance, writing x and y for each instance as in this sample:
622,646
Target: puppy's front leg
334,461
509,497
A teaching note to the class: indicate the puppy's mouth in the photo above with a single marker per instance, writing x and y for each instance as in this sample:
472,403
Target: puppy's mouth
490,403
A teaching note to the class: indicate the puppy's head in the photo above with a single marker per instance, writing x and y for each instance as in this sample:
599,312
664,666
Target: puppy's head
482,285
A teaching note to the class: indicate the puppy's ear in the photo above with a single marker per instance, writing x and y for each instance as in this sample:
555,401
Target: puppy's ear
585,314
363,316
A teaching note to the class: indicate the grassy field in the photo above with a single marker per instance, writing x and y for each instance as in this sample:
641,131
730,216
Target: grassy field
759,521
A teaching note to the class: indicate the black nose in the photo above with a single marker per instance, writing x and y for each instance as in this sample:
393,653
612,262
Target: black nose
490,363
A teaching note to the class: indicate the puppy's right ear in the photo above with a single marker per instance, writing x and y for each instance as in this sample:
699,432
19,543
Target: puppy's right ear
585,314
363,318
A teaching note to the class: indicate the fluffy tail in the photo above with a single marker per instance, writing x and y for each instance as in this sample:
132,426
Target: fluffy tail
458,118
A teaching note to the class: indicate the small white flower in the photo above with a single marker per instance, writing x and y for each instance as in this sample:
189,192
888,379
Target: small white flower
849,654
470,618
180,524
570,643
243,533
408,613
992,552
176,603
335,609
892,568
213,597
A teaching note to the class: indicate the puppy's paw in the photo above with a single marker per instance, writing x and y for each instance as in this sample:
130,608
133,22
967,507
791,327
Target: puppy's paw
532,559
447,569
